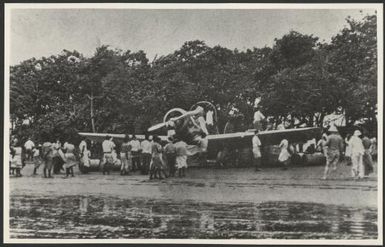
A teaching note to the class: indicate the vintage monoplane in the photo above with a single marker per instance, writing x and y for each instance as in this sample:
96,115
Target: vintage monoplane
191,127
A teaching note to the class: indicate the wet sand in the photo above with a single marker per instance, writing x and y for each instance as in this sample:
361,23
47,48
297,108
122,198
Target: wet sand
208,203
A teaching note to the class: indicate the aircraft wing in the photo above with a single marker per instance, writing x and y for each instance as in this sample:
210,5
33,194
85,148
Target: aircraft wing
100,137
270,137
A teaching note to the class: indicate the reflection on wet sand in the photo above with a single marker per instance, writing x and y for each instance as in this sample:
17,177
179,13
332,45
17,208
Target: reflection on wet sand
111,217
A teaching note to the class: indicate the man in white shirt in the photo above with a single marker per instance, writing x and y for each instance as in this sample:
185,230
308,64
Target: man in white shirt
257,151
108,146
145,145
258,119
135,152
29,145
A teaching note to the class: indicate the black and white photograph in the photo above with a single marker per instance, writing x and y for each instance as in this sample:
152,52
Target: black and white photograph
193,123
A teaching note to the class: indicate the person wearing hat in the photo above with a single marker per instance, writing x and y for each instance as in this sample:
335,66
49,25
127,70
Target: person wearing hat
357,153
335,147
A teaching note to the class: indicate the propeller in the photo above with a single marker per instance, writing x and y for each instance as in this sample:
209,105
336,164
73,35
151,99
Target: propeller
161,125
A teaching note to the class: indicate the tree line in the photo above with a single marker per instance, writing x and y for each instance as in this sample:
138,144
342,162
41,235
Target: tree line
300,80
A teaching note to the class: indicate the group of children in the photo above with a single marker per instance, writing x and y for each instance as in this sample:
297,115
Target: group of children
46,154
164,161
167,160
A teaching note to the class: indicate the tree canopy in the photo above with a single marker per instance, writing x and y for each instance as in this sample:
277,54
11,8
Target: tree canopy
299,80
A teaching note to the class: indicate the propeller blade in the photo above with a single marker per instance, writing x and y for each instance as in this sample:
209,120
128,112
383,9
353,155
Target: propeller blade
156,126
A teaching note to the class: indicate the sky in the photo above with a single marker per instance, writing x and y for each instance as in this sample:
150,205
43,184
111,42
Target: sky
46,32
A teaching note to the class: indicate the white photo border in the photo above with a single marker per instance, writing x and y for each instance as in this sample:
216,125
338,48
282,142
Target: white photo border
11,6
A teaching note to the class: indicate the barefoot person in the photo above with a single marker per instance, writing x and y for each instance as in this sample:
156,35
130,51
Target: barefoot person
284,155
257,151
145,146
125,156
357,153
335,146
84,155
29,146
367,157
17,161
47,155
348,150
57,160
37,160
156,161
69,158
181,157
108,146
135,152
170,153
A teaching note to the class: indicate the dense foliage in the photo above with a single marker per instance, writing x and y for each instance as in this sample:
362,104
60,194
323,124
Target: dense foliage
299,79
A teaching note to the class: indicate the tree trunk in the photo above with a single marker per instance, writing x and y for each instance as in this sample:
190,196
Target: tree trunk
91,98
92,114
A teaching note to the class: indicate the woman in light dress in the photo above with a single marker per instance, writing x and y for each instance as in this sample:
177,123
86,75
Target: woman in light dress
284,155
84,155
69,158
17,161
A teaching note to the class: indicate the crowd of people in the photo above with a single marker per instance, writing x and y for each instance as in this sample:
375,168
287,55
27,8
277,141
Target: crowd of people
148,156
153,159
355,150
